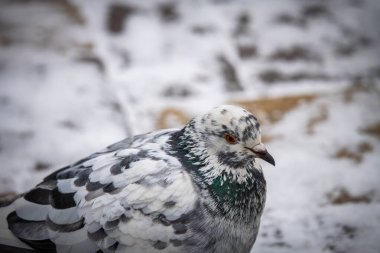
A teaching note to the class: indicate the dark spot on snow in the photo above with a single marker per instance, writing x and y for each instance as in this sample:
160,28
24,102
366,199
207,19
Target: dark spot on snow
202,29
124,56
246,51
351,44
4,100
288,19
68,124
278,234
229,74
40,166
280,244
25,134
94,60
349,231
168,12
242,24
177,91
115,106
295,53
307,14
6,41
273,76
314,11
118,15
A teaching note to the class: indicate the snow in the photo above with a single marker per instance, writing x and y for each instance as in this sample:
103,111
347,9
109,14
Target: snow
70,87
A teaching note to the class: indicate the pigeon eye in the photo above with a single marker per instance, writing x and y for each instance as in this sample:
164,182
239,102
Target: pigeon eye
230,138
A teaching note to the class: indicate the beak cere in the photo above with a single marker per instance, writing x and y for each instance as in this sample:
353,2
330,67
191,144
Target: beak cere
261,152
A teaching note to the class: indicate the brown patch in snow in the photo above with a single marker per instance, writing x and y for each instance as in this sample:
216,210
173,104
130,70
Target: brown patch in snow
171,117
342,196
72,11
373,130
356,155
271,110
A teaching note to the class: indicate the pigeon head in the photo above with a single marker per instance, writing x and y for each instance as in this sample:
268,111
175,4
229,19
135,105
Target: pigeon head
225,141
232,136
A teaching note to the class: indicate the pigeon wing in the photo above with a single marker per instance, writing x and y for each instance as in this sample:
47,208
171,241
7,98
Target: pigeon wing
133,195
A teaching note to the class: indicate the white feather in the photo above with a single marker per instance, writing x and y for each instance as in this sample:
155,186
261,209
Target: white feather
30,211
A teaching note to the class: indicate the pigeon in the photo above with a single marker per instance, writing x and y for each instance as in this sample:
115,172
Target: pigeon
195,189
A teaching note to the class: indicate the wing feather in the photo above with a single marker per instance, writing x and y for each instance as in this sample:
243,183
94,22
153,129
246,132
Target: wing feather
130,196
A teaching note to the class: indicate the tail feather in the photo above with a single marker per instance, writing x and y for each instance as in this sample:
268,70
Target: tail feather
11,249
8,241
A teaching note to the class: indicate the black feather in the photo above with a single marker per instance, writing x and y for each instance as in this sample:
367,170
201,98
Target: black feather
33,233
11,249
98,235
93,186
38,196
62,200
65,227
82,177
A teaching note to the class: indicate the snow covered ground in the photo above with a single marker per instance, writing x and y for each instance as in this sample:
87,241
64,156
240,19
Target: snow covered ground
78,75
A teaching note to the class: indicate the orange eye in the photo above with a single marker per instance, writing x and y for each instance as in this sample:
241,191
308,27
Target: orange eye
230,138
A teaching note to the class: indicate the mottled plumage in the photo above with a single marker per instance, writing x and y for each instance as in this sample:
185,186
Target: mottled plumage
197,189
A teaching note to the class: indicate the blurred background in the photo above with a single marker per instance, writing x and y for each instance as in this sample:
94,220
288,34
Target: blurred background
77,75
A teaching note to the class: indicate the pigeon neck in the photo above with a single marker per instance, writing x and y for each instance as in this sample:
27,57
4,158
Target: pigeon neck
229,197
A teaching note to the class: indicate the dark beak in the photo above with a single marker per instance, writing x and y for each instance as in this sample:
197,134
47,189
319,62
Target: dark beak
266,157
261,152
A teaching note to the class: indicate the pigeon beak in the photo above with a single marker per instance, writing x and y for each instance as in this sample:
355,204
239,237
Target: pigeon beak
261,152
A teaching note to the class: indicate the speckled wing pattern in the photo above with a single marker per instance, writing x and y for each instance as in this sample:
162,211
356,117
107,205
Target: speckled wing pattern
132,195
